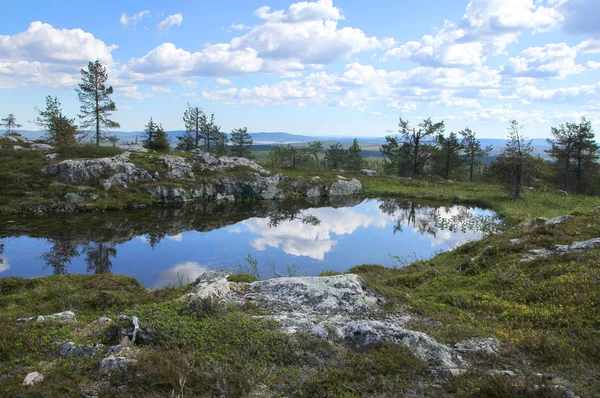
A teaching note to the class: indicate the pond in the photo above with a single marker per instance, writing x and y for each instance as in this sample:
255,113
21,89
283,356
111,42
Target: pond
163,246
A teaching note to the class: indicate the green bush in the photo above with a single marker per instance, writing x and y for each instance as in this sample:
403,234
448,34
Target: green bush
90,151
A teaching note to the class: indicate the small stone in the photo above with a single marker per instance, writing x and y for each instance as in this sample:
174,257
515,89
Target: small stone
487,345
74,198
33,379
514,241
502,372
105,320
113,362
369,172
535,222
558,220
66,316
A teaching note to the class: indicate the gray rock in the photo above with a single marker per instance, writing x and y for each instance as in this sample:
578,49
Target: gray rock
344,187
597,209
51,156
558,220
74,198
105,320
535,222
211,284
420,344
487,345
119,349
18,148
117,171
313,192
515,241
113,362
132,148
41,147
562,249
323,295
66,316
210,163
71,349
33,379
178,167
369,172
502,372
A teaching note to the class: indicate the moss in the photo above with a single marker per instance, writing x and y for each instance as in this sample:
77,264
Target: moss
243,277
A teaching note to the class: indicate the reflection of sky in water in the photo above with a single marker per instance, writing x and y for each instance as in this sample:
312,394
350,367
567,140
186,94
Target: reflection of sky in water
367,233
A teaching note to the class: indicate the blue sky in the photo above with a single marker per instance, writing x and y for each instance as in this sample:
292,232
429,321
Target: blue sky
316,67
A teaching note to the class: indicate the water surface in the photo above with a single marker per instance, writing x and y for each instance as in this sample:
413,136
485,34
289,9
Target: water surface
162,246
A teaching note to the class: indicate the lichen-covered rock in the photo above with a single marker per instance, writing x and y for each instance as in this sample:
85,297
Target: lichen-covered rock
420,344
535,222
113,362
117,171
558,220
368,172
133,148
562,249
486,345
345,187
211,163
33,379
324,295
41,147
211,284
66,316
74,198
71,349
178,167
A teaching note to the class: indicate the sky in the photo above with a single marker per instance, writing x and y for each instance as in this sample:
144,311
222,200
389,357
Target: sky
324,67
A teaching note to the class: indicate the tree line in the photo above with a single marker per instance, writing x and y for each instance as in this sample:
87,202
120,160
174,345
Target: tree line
424,151
336,157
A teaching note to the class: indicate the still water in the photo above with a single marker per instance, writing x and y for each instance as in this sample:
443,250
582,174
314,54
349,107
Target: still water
165,245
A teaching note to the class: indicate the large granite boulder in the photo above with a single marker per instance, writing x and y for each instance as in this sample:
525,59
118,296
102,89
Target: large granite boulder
117,171
345,187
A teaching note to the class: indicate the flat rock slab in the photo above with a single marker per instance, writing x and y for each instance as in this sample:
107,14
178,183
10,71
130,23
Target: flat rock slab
66,316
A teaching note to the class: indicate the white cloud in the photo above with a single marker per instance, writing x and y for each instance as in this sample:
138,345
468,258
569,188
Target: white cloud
186,272
131,92
131,21
43,43
593,65
4,266
551,61
176,238
403,106
170,21
307,36
49,57
487,27
591,46
223,82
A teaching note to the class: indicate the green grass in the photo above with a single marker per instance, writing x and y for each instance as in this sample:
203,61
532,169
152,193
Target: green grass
545,312
88,151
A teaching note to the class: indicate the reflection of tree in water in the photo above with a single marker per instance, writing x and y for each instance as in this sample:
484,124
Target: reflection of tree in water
60,254
429,220
421,218
98,257
291,212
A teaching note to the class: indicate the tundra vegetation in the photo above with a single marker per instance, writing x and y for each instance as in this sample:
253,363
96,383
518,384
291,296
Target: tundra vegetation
533,287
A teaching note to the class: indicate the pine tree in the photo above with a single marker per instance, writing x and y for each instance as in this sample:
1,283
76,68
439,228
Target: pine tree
150,134
354,159
398,154
335,156
195,122
211,135
241,142
10,122
448,155
60,130
473,150
314,148
573,151
96,104
515,161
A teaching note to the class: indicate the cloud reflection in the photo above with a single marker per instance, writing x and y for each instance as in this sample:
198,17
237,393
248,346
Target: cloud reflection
298,238
4,266
186,272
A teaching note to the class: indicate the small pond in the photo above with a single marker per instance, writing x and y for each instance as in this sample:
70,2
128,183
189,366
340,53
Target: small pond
163,246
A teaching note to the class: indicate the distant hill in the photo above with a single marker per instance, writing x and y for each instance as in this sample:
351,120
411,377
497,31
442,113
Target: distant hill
266,139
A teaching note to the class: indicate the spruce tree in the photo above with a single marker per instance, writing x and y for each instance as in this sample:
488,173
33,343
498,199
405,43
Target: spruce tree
60,130
96,103
314,148
448,155
473,151
241,142
150,134
354,159
161,141
335,156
